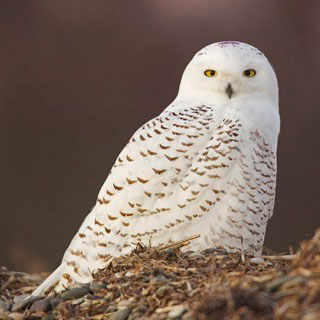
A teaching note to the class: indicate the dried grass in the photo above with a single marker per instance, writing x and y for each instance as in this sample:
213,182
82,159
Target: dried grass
166,283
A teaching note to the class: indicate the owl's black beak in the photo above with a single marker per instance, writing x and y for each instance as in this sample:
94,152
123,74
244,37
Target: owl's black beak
229,90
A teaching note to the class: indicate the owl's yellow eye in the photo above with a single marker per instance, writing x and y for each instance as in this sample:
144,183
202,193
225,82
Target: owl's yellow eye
210,73
249,73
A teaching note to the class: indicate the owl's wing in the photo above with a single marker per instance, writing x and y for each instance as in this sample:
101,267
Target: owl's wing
141,189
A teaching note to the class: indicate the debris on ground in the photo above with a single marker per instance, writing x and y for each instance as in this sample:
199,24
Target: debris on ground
166,283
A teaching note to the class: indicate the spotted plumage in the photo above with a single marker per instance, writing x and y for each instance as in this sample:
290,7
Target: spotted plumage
206,165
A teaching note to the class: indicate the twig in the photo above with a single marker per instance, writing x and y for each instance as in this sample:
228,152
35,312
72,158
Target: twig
285,257
177,269
180,243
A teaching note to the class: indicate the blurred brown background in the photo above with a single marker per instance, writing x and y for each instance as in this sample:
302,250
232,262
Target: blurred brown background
77,78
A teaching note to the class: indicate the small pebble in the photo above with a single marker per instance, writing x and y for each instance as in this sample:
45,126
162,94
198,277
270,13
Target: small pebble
176,312
112,308
159,278
256,260
95,286
78,285
18,299
22,302
122,314
74,293
41,305
160,293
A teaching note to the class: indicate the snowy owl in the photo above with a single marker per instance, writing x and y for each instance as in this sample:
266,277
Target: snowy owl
206,165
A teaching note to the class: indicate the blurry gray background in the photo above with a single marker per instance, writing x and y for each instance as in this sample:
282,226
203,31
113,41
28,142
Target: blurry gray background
77,78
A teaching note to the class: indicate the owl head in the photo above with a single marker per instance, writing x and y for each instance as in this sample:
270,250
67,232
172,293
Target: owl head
227,71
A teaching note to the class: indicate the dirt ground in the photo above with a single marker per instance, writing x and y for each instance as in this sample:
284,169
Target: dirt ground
166,283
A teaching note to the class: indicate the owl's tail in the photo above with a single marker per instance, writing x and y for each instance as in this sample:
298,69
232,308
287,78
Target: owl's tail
51,281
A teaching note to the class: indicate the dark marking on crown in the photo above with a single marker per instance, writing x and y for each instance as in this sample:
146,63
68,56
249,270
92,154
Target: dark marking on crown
221,43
